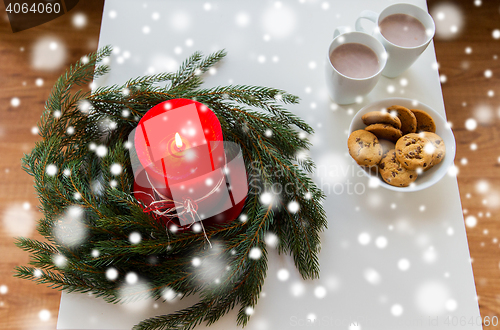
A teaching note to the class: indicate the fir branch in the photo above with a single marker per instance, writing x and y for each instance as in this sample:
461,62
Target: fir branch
111,212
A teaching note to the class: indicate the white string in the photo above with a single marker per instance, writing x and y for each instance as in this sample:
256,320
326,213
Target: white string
181,208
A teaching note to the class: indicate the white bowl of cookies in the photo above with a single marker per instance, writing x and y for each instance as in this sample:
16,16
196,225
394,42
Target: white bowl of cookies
405,143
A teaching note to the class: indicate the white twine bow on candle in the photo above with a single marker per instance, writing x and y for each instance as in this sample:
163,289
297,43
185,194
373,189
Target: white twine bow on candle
169,208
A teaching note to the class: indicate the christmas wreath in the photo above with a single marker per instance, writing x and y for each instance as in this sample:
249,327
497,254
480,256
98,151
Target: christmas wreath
99,240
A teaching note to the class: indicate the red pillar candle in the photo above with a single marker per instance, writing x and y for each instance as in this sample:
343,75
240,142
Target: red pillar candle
193,123
179,146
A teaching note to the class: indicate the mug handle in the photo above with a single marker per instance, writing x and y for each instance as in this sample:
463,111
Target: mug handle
341,30
369,15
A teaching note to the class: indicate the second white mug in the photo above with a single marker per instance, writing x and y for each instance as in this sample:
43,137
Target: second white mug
402,53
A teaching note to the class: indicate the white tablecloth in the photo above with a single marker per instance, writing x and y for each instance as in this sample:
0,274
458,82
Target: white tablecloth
362,286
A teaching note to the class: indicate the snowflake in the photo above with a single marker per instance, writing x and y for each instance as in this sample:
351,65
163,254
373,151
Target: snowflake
44,315
271,239
84,106
372,276
3,289
249,310
396,310
48,54
266,198
470,124
255,253
115,169
169,294
450,305
279,21
134,237
364,238
180,20
51,169
196,262
111,274
449,20
403,265
381,242
471,221
242,19
131,278
101,150
79,20
173,229
429,148
453,170
297,289
59,260
374,182
70,130
482,186
293,207
283,274
15,102
196,228
320,292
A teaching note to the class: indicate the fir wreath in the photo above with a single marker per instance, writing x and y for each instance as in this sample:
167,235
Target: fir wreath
68,176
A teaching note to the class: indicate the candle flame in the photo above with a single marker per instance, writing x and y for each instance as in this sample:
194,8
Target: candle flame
178,140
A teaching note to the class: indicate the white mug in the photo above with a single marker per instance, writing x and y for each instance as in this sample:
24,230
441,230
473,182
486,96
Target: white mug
341,88
400,57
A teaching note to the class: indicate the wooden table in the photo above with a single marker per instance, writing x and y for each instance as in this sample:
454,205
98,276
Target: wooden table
465,92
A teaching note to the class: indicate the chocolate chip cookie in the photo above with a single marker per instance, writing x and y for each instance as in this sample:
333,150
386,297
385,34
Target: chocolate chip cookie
364,148
379,117
425,123
439,150
384,131
412,151
407,118
393,173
